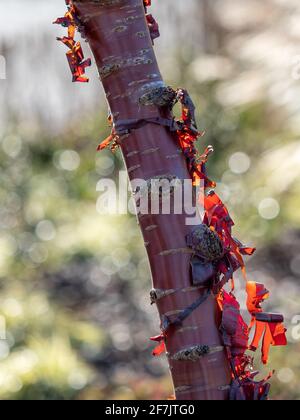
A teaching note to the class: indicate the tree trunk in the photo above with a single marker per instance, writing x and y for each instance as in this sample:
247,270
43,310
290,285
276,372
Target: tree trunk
119,38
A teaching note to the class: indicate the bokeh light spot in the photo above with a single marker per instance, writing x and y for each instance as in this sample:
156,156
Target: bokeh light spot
105,165
68,160
239,163
45,230
12,146
285,375
269,208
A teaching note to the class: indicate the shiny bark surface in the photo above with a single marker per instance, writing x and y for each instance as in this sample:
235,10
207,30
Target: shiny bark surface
119,38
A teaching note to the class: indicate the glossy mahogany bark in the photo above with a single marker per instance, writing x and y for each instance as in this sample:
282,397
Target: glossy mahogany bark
119,38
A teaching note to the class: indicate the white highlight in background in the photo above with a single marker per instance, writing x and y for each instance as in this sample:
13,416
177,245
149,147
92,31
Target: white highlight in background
2,68
269,208
2,328
239,163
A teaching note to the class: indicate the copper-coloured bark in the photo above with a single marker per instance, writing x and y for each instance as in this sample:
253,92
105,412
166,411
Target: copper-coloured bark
119,38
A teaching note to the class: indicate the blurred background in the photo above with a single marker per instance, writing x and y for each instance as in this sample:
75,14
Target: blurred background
74,284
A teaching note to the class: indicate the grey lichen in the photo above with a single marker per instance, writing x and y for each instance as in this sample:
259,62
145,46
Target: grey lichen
161,96
191,354
205,243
